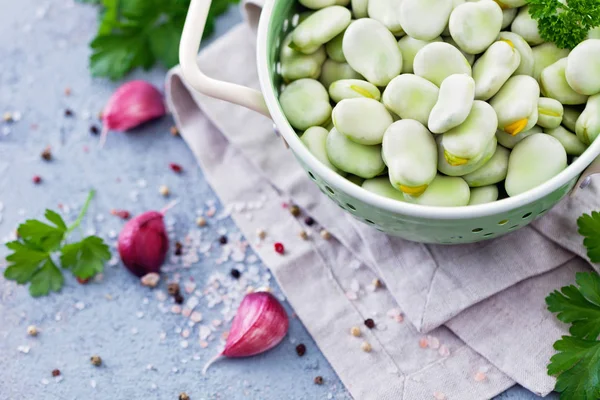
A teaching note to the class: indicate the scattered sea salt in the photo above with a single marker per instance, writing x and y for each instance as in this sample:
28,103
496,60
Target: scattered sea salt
45,381
24,349
444,351
80,305
184,344
93,384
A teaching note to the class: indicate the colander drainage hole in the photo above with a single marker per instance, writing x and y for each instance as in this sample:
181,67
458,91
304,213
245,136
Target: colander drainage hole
503,222
513,227
488,234
477,230
312,176
330,190
368,221
350,206
527,215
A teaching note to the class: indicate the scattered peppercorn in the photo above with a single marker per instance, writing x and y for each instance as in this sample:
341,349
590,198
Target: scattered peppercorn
318,380
32,330
7,117
173,289
176,168
279,248
355,331
201,221
325,234
67,91
295,210
163,190
47,154
124,214
178,248
235,273
261,234
223,239
174,131
37,179
83,281
366,347
370,323
301,349
184,396
178,298
55,372
303,235
96,361
68,112
94,130
309,221
377,283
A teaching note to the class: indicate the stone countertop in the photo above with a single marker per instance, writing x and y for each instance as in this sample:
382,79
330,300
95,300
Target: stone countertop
149,349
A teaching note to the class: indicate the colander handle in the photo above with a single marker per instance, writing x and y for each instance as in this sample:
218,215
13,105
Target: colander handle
188,53
583,181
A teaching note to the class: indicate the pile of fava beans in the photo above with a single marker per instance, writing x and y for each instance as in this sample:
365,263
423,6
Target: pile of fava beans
437,102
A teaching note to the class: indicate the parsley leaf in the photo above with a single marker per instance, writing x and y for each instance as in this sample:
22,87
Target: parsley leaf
577,365
565,23
589,228
86,258
138,33
31,260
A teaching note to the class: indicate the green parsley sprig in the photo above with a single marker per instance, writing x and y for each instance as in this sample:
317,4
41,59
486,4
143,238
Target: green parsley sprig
138,33
41,244
566,23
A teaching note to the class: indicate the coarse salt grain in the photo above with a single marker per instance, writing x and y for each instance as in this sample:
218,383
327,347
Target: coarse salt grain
176,309
479,377
351,295
196,316
444,351
80,305
186,312
24,349
439,396
139,314
185,333
204,332
434,342
184,344
203,344
93,384
45,381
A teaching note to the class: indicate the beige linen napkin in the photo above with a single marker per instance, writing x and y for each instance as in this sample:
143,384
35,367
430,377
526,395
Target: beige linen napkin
475,315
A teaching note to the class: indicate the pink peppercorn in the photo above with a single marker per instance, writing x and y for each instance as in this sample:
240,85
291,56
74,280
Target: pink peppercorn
279,248
36,179
176,167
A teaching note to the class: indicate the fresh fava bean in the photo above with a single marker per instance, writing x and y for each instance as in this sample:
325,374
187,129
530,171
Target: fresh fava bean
425,19
362,120
527,27
583,64
535,160
475,26
524,49
554,84
545,55
550,113
508,16
360,8
455,3
388,13
494,67
334,48
594,33
411,97
383,187
354,158
511,3
317,4
342,3
444,191
305,103
570,117
372,50
411,156
469,57
460,170
509,141
491,172
588,123
454,103
314,139
437,61
467,142
332,71
320,28
573,146
353,89
516,104
409,47
483,195
296,65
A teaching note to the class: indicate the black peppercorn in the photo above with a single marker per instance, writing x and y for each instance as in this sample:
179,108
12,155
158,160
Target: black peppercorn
178,248
96,361
295,210
184,396
178,298
47,154
223,239
319,380
301,349
94,130
309,221
68,112
55,372
235,273
370,323
173,289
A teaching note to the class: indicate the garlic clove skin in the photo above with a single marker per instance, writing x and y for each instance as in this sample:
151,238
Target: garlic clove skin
131,105
260,324
143,243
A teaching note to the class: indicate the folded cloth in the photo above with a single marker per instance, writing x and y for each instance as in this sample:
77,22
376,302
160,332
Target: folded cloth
475,315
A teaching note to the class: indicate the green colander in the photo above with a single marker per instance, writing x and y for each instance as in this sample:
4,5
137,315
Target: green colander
418,223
